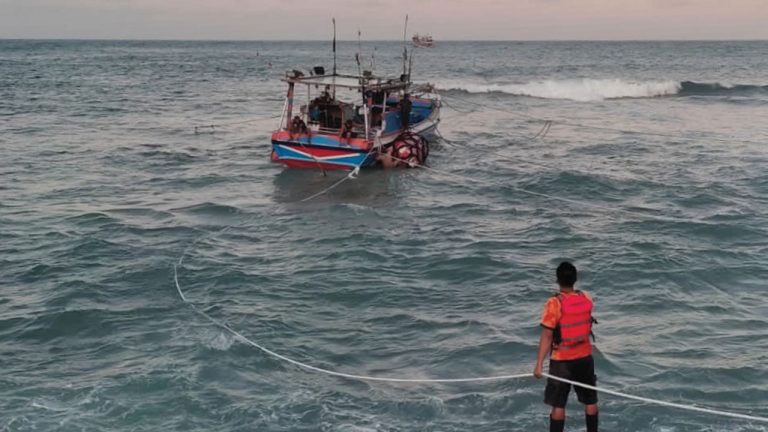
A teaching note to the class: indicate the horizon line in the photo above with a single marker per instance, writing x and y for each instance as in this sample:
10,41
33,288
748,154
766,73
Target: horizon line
95,39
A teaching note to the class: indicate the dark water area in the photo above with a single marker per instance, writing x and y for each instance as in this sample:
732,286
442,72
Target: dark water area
651,179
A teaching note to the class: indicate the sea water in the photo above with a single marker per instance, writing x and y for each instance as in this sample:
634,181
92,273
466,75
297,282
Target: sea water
651,177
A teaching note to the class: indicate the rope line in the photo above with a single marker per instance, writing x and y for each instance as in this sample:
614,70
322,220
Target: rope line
369,378
544,130
545,127
550,197
451,106
660,402
542,134
214,126
353,174
317,161
302,365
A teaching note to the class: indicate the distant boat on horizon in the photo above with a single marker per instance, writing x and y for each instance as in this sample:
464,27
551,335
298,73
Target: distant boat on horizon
423,41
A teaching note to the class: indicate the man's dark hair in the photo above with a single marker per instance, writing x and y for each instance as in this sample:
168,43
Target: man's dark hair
566,274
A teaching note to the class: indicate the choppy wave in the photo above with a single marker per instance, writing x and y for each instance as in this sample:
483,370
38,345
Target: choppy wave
690,88
417,274
587,90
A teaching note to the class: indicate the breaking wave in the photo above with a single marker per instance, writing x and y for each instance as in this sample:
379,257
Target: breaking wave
587,90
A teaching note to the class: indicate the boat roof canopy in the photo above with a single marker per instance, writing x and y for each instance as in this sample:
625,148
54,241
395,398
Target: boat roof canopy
348,81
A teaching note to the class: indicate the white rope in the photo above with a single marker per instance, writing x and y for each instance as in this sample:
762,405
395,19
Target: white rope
256,345
660,402
353,174
274,354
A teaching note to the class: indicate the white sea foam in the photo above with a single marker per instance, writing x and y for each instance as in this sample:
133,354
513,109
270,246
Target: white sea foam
584,90
219,341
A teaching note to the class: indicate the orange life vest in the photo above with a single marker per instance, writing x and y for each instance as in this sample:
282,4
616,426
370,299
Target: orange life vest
575,326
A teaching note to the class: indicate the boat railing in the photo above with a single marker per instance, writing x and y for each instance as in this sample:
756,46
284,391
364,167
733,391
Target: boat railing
329,131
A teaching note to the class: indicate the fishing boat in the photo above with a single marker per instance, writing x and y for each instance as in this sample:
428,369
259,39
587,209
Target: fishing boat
423,41
354,120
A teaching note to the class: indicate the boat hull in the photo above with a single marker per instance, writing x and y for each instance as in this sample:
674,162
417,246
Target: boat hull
314,149
297,154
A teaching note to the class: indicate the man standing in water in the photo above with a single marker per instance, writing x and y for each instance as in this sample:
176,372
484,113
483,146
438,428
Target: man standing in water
566,328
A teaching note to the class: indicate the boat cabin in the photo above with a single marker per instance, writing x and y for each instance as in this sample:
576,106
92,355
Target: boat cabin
347,105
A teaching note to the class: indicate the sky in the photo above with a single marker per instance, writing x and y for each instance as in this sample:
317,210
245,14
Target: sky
383,19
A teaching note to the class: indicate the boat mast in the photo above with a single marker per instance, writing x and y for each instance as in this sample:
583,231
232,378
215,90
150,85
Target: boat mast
361,81
289,105
405,50
334,57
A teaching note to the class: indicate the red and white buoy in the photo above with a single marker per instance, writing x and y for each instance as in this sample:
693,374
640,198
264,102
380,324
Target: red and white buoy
409,150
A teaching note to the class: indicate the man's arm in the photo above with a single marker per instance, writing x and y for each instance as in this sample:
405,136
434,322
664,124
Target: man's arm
545,344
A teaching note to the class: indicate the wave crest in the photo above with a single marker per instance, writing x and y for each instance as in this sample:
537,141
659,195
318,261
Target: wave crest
583,90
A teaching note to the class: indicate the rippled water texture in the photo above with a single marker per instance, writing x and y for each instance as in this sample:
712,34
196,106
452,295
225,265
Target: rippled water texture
415,274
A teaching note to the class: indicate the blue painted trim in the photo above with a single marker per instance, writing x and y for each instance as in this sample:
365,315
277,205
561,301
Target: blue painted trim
356,157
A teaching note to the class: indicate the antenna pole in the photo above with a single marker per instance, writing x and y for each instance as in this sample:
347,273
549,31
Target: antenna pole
357,56
334,45
373,60
410,65
405,50
359,43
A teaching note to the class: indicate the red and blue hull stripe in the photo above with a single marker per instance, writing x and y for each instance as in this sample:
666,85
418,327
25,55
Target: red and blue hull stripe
295,155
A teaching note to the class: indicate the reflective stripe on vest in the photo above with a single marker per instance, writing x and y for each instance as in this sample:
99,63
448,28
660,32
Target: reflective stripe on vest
575,324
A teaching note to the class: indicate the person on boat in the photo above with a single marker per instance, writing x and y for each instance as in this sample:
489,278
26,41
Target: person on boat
314,111
405,111
566,330
298,125
376,99
347,131
325,96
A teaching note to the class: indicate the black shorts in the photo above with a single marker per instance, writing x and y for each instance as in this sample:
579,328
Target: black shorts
580,370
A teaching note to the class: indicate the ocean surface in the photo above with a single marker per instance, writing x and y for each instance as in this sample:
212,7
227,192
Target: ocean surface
651,177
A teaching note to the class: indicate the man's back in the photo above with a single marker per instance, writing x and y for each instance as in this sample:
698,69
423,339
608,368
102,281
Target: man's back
566,327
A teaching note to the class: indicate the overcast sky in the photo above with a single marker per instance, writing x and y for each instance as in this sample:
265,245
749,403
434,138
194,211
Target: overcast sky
382,19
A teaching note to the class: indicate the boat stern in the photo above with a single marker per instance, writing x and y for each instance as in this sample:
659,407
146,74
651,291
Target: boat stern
320,151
